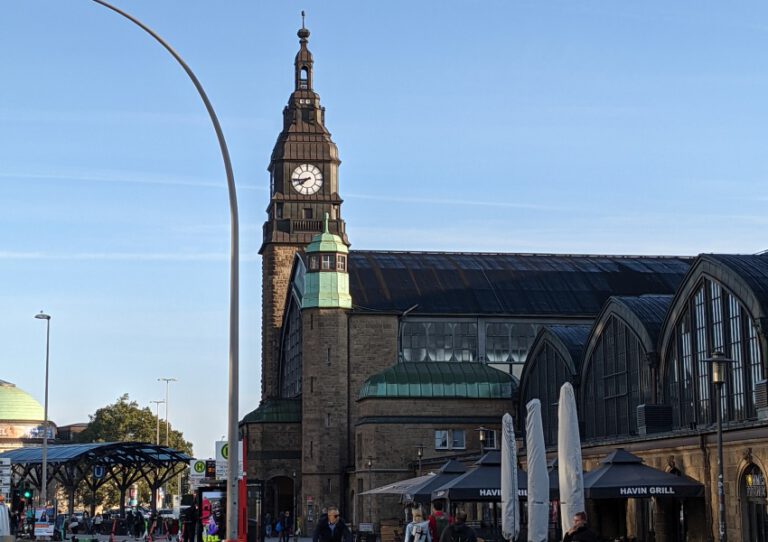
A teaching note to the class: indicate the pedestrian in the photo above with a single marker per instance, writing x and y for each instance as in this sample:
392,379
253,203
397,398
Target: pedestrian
322,520
189,523
459,531
5,518
283,526
418,529
332,529
438,521
580,532
268,524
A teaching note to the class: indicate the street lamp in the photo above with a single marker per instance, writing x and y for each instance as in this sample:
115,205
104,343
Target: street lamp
369,464
295,516
234,281
167,404
43,498
719,367
482,434
157,418
419,455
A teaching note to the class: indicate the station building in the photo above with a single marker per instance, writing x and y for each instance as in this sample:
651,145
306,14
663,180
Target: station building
376,362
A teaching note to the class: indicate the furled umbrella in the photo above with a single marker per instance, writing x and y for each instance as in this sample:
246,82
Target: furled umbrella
538,477
510,502
569,458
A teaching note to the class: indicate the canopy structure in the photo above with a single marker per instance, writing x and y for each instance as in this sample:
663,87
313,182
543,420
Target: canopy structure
480,483
94,464
622,475
419,489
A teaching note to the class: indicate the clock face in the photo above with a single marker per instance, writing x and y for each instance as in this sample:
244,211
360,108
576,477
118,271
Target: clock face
307,179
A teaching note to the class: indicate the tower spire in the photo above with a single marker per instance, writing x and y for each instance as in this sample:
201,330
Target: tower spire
303,59
302,18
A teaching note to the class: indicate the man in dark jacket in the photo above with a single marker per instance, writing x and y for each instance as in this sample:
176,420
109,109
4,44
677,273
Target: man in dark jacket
580,532
459,531
332,530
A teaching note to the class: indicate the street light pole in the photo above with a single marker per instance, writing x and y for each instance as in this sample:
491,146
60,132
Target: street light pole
167,405
157,418
234,280
719,365
43,497
419,455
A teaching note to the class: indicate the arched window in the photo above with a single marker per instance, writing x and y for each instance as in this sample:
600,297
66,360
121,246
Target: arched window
290,352
712,319
303,77
548,371
617,380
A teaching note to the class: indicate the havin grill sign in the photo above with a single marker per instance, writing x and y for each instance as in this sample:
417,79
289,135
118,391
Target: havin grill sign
640,491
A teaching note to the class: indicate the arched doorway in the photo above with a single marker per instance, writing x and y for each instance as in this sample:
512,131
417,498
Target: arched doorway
279,497
754,508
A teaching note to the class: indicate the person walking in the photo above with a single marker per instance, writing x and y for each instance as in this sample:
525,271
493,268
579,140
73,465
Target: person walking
580,532
418,529
333,529
459,531
438,521
5,519
268,525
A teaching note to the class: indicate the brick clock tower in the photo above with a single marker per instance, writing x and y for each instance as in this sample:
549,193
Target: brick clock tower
304,187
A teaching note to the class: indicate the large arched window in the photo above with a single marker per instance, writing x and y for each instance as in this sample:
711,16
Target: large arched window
712,319
617,380
290,354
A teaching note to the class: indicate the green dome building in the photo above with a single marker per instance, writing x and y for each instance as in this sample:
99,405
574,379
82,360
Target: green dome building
20,417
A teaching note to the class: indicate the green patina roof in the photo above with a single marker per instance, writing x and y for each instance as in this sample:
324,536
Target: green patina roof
326,241
440,380
275,411
18,405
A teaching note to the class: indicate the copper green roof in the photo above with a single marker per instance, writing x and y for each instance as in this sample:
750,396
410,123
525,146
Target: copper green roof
326,241
275,411
17,405
440,380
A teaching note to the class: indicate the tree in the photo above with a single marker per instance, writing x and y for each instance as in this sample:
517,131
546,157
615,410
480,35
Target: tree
124,421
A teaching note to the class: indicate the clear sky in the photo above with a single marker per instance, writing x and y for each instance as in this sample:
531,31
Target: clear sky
572,127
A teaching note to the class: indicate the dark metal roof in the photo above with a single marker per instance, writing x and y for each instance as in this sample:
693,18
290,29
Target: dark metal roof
504,284
105,452
459,380
752,268
649,309
573,337
275,411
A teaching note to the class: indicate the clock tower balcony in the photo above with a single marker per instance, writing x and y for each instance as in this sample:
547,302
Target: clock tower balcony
299,230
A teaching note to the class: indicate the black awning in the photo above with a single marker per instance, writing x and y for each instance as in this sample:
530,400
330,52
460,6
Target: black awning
481,483
422,493
622,475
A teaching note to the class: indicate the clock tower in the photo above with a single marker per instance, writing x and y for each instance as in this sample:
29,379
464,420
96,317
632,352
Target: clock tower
304,186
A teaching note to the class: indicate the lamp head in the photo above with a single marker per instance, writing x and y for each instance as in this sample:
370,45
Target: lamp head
719,366
42,316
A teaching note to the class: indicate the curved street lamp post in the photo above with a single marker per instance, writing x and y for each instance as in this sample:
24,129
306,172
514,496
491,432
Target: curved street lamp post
232,467
43,497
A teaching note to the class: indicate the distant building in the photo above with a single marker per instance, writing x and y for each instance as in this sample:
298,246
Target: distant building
369,357
21,418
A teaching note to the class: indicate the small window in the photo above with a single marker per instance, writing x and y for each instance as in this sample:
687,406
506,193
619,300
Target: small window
308,213
458,439
303,76
441,439
278,210
327,262
490,440
314,263
341,262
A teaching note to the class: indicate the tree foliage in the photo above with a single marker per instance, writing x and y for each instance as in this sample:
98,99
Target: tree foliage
124,421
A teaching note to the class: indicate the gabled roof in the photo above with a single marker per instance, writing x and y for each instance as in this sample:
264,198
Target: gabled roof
504,284
650,310
752,269
438,380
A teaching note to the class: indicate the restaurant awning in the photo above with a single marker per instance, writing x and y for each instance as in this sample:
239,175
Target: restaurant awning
622,475
422,492
480,483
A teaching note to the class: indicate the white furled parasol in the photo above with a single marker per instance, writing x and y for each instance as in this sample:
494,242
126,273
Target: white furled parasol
538,477
510,501
569,458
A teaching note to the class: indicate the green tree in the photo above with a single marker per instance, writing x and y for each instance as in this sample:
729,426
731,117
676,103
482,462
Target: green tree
124,421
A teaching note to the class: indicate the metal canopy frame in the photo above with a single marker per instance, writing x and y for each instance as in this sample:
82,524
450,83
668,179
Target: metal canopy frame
124,463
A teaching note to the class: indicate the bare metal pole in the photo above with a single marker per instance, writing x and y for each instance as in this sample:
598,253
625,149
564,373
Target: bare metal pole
167,406
157,418
234,294
43,498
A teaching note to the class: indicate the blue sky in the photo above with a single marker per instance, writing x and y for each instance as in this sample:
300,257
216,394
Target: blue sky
572,127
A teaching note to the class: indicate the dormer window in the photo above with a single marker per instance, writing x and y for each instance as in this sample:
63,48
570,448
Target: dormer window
314,263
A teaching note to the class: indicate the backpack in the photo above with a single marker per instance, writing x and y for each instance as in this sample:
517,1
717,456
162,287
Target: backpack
441,523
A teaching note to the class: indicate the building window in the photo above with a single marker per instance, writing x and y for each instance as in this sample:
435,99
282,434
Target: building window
491,442
326,262
291,363
314,263
441,439
278,210
453,439
341,262
713,319
307,213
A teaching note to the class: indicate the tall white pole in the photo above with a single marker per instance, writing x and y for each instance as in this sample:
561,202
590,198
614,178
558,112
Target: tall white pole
157,418
234,281
43,497
167,405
